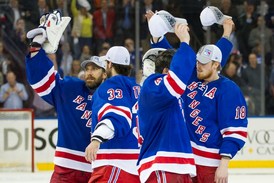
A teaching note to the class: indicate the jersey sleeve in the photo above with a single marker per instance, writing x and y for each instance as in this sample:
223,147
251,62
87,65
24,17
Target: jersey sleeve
181,68
163,43
232,114
225,46
114,111
42,77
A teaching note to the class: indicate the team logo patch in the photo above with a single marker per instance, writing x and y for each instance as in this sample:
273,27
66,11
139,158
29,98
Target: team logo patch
207,52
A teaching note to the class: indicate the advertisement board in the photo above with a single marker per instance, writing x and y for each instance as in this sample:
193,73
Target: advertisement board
258,151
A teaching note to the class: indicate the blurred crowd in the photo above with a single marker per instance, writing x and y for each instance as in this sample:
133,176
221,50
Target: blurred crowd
98,24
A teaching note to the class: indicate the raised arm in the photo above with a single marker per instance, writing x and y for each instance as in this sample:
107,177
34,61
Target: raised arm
224,43
157,42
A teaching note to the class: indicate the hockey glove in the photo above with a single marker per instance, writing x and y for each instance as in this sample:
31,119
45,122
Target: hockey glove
50,31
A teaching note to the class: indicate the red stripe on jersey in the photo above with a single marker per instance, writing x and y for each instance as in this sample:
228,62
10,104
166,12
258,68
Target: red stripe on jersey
118,156
45,86
242,133
174,85
206,154
127,113
70,156
166,160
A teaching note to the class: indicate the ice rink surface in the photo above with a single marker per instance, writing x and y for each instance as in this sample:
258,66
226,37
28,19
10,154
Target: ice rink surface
235,176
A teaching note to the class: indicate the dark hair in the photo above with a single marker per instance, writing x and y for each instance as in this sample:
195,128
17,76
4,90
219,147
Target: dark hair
124,70
163,60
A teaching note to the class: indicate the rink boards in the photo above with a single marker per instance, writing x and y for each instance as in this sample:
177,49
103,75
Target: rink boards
258,151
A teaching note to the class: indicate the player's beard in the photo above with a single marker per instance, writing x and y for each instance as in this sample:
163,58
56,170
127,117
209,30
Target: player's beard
94,83
205,74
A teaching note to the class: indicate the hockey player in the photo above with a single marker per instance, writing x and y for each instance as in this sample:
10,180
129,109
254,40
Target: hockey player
215,111
166,150
114,148
71,98
216,115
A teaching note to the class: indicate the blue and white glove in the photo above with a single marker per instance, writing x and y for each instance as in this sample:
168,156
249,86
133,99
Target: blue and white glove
50,31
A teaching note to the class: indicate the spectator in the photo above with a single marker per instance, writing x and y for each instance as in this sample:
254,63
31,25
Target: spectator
86,53
75,68
82,26
244,24
16,12
228,8
230,71
251,76
29,12
59,5
238,59
6,65
104,22
255,39
3,65
18,35
104,49
98,3
10,14
129,44
12,94
66,60
43,7
125,22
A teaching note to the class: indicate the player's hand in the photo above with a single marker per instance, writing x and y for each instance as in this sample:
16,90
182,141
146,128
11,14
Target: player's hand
228,26
182,32
149,14
91,150
221,174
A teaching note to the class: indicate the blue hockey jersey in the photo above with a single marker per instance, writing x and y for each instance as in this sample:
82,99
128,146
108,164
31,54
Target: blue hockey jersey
216,115
166,144
115,102
72,101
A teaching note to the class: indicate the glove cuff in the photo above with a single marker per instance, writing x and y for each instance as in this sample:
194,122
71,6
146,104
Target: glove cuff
35,45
